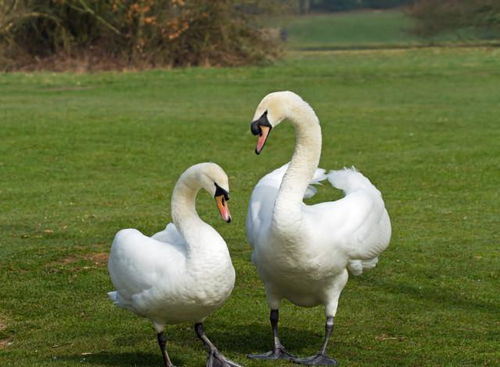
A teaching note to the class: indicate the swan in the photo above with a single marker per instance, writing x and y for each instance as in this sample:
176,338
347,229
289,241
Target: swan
182,273
302,252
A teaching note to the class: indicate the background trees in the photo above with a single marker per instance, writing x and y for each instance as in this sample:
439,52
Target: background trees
344,5
435,17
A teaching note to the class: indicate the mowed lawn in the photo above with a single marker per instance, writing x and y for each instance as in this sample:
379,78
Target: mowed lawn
366,29
84,155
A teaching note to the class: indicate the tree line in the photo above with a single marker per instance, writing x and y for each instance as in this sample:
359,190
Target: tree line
306,6
434,17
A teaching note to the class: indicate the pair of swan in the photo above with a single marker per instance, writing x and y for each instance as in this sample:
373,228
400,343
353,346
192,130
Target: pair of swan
302,252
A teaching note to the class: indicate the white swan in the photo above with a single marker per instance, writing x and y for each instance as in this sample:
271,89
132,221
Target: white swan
302,252
183,273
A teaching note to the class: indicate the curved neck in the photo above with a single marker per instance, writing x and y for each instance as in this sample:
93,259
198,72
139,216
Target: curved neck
183,205
304,162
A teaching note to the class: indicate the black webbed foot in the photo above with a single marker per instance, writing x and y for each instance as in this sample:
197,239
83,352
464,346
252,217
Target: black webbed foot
278,353
316,360
215,359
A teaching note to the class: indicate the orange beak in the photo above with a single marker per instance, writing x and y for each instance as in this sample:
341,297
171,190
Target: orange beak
223,208
261,140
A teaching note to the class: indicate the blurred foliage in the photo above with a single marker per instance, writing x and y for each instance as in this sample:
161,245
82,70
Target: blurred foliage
434,17
139,33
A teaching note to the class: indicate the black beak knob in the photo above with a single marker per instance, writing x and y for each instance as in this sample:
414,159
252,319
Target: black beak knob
255,128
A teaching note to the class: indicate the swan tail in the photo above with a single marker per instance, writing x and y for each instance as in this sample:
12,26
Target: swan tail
349,180
115,298
319,175
357,267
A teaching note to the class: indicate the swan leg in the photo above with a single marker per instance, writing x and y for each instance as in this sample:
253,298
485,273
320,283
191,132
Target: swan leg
214,359
279,351
320,359
162,342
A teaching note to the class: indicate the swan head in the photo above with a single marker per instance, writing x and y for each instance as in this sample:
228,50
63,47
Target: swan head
271,111
214,180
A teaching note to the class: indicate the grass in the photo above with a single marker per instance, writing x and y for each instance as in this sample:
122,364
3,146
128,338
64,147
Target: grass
84,155
364,30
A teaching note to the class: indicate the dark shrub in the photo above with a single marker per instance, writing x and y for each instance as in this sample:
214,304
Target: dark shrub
135,33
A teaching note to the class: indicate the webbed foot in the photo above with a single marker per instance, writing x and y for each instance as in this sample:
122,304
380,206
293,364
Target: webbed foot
316,360
215,359
277,353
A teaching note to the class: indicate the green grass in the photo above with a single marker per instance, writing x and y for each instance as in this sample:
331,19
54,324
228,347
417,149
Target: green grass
84,155
363,30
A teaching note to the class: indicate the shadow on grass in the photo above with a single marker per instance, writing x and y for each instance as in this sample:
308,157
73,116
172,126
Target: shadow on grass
257,338
120,359
437,295
232,340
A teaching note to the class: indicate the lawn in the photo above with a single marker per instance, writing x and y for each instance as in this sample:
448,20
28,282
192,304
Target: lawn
365,30
84,155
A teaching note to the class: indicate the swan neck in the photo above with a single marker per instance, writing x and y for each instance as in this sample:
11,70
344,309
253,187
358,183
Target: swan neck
304,161
183,205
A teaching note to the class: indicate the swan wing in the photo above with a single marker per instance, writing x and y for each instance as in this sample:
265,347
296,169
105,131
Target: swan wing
170,235
138,263
319,175
261,204
358,224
